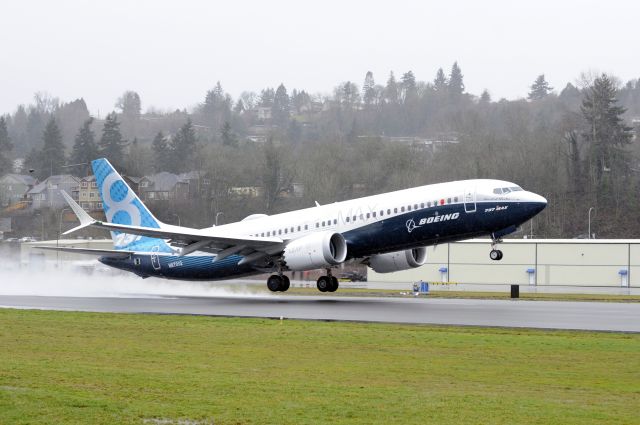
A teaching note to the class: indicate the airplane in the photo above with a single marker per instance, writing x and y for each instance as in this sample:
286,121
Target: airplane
387,232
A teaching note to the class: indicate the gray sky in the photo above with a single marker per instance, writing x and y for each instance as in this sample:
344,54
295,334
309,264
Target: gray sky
171,52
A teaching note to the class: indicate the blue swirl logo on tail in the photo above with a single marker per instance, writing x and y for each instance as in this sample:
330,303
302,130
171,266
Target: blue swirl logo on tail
122,206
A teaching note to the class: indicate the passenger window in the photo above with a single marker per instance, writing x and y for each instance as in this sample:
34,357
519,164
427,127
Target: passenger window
402,209
354,218
348,219
299,228
381,213
323,224
262,235
335,221
455,199
286,230
306,227
429,204
388,211
317,225
292,229
280,231
395,210
409,208
374,214
448,200
368,215
422,205
415,207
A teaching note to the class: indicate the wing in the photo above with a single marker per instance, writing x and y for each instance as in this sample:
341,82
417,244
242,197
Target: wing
188,239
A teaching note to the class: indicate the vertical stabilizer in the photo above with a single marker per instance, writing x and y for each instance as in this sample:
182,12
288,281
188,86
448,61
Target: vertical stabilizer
122,206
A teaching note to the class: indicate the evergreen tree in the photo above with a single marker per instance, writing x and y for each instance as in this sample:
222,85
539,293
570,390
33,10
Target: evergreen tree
539,89
409,88
605,131
266,97
280,108
368,90
53,157
485,97
391,90
440,83
228,136
85,149
130,105
162,157
111,145
456,83
183,147
6,165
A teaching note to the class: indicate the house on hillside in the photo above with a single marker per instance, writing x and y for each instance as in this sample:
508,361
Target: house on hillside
47,193
14,188
163,186
88,194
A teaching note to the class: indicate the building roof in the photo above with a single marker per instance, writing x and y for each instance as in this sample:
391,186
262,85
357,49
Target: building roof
20,178
42,186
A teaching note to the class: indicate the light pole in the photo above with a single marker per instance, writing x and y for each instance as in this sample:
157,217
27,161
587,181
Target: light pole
60,233
217,215
590,209
178,218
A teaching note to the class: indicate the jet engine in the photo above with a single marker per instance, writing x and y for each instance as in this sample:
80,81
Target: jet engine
315,251
398,260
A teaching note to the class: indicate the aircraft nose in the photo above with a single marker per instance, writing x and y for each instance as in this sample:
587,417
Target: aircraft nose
539,202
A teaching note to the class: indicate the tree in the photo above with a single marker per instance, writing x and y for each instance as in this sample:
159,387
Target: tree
266,97
53,157
391,90
111,145
456,83
485,97
409,88
348,95
368,90
162,157
183,147
605,131
539,89
130,105
84,149
228,136
440,83
280,109
6,165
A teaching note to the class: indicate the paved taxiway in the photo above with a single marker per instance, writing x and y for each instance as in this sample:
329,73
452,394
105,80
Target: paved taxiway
601,316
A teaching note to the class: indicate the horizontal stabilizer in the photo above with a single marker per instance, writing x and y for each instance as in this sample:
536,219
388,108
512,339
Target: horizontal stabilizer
83,216
111,253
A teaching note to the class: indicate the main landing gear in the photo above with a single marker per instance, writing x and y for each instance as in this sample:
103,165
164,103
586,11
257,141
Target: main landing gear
328,283
495,254
278,283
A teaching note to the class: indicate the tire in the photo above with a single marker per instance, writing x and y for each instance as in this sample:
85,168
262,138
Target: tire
334,284
274,283
323,283
286,283
499,255
495,255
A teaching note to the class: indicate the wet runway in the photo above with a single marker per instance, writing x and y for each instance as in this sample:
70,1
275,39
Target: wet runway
600,316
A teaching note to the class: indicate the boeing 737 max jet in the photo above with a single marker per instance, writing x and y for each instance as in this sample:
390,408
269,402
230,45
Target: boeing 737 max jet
387,232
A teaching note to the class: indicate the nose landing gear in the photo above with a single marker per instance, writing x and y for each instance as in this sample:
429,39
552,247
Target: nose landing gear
495,254
328,283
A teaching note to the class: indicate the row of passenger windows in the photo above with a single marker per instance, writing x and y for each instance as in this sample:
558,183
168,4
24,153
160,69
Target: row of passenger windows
363,216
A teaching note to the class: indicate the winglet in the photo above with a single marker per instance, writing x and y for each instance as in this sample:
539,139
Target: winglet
83,216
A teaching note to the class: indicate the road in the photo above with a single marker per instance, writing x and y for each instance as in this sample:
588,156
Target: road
598,316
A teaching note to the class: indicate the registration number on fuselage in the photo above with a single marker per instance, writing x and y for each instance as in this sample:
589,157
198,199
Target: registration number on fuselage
174,264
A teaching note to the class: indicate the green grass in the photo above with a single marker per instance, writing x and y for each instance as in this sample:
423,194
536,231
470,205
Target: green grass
61,367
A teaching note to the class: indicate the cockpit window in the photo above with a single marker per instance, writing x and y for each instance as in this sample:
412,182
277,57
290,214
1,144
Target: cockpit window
506,190
515,188
497,191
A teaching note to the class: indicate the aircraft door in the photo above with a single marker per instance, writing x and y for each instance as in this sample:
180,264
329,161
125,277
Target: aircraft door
155,259
469,200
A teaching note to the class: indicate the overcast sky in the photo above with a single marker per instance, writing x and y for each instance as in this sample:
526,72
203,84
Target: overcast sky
172,52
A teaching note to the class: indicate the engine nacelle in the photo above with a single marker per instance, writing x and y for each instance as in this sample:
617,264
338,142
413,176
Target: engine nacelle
398,260
315,251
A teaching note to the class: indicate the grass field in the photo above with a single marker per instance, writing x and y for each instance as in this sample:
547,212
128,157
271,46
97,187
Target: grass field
60,367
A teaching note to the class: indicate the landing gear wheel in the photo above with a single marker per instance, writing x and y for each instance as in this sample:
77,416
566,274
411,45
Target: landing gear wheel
334,284
495,255
286,283
274,283
324,283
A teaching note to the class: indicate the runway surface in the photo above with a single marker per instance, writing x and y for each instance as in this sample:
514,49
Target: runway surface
600,316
